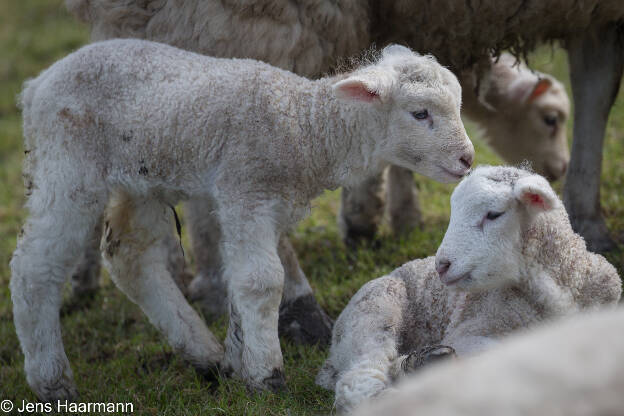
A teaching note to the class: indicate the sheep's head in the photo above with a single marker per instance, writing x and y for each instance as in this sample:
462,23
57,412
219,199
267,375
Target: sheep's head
414,113
531,110
491,211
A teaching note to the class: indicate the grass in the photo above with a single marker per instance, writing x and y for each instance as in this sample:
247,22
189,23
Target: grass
116,355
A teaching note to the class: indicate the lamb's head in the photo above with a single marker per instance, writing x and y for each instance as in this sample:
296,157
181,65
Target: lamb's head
413,113
531,110
492,212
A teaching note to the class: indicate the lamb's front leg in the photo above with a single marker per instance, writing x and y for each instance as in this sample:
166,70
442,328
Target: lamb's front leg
256,279
363,358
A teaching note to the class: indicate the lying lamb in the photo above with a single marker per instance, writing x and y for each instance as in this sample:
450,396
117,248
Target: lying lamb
138,126
509,259
568,368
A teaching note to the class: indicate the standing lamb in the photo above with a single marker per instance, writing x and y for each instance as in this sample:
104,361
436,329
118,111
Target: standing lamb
138,126
509,260
308,38
568,368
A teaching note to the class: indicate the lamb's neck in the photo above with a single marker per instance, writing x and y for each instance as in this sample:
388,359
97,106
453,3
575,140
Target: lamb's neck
554,257
342,144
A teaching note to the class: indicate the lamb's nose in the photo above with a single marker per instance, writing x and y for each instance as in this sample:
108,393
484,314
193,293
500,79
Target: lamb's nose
466,160
442,266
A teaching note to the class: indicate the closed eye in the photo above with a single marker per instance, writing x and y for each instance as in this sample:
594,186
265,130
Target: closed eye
492,215
420,115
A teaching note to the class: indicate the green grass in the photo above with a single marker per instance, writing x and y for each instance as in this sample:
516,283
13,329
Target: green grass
116,355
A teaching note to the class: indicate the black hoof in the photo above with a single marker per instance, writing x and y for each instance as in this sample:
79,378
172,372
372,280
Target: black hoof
304,322
425,356
276,382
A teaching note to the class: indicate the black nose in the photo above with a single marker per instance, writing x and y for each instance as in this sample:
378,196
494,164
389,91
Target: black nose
442,266
466,160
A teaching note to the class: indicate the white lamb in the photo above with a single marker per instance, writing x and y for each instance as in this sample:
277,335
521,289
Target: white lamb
509,260
571,367
138,126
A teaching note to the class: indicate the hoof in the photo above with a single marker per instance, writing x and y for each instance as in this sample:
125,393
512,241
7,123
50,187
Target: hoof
304,322
212,374
62,390
425,356
276,382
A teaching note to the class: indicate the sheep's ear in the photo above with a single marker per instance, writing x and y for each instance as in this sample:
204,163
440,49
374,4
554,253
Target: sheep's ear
535,193
541,86
355,89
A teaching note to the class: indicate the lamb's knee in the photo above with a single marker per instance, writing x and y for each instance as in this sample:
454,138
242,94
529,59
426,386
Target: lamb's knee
358,385
261,277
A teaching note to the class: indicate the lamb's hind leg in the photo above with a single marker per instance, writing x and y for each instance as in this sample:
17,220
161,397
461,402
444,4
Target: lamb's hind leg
135,255
301,318
86,277
361,210
596,62
55,231
208,287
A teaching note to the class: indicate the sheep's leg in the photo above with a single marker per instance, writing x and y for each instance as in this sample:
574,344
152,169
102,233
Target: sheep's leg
596,62
301,319
208,288
402,200
85,279
135,254
55,231
256,279
361,210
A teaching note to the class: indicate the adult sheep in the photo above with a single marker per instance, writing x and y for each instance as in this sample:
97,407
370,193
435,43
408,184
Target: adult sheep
508,261
308,38
571,367
137,126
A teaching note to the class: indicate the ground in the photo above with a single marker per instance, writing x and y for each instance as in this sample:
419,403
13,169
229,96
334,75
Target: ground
116,355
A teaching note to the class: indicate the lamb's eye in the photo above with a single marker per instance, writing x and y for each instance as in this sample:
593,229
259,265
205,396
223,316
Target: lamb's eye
550,120
420,115
493,215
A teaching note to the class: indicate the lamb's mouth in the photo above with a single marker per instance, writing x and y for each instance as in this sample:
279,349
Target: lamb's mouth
455,280
457,175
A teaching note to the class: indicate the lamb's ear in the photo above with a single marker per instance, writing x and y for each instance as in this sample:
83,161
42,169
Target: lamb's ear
541,86
535,193
355,89
526,89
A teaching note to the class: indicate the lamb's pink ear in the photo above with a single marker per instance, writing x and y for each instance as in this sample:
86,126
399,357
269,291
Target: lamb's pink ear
355,90
535,193
541,86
